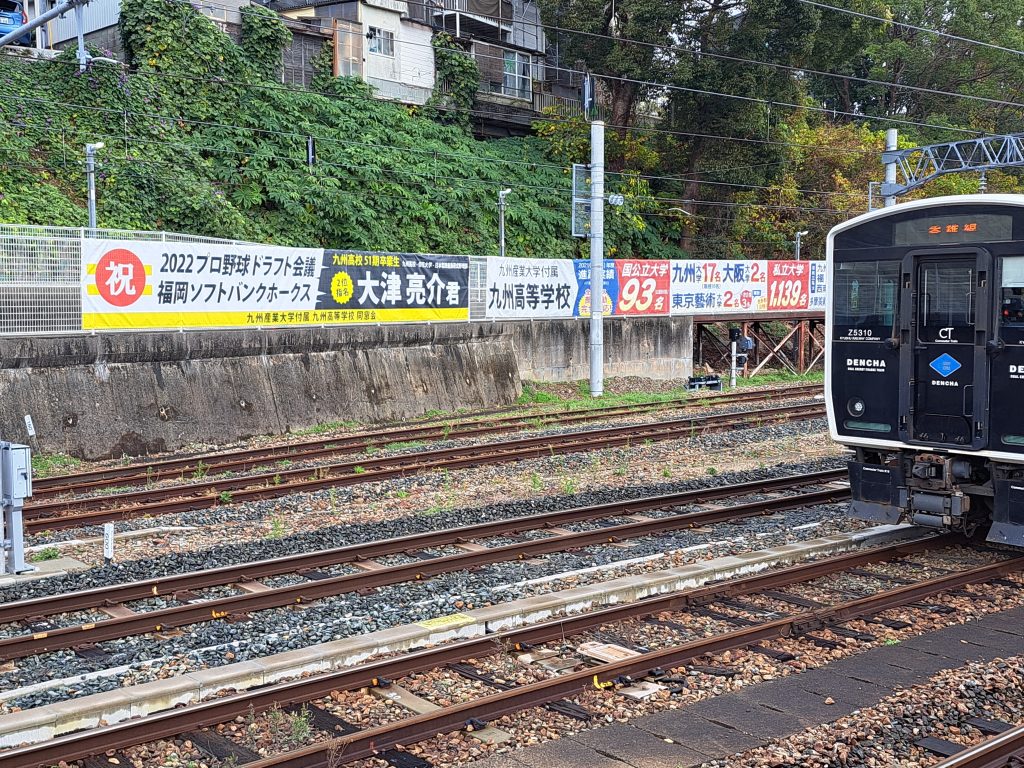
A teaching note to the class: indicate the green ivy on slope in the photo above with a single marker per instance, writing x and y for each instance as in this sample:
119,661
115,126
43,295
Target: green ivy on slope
201,139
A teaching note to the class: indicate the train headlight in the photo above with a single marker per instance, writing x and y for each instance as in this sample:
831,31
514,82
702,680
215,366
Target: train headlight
856,407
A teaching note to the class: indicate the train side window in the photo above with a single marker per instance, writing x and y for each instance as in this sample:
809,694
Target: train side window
864,299
1011,305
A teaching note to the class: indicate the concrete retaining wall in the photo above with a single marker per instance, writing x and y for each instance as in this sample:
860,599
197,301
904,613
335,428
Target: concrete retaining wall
559,350
136,393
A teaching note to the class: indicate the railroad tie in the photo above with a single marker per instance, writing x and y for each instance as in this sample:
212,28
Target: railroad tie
562,706
106,761
220,747
989,727
939,746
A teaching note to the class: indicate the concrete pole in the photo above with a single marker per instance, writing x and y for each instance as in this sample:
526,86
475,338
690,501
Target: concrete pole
501,221
890,168
90,175
596,258
796,254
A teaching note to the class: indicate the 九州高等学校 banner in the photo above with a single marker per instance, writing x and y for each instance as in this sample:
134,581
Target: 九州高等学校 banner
527,288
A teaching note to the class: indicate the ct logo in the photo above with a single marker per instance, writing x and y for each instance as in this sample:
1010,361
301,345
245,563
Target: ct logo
945,334
120,277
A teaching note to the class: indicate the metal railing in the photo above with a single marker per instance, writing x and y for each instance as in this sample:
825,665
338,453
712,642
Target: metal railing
41,275
565,106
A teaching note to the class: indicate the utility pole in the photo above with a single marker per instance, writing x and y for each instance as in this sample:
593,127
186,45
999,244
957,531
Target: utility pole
798,236
890,168
90,173
501,221
596,258
38,21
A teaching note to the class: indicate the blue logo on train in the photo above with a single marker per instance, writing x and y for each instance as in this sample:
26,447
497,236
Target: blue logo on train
945,364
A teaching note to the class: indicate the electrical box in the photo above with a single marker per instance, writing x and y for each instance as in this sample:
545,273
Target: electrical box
746,344
15,473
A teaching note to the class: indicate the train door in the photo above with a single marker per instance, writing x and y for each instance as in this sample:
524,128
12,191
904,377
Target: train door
1008,357
949,328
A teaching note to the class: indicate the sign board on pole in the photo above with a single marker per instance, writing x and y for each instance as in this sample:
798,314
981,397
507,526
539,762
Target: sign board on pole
580,200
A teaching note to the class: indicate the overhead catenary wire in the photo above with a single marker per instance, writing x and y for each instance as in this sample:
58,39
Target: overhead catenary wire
135,161
149,173
914,27
537,164
484,113
432,175
655,85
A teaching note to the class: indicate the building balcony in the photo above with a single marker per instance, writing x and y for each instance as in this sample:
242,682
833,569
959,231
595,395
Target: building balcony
480,19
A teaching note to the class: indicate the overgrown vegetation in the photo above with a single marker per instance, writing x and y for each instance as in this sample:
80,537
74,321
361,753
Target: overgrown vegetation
200,138
44,554
457,76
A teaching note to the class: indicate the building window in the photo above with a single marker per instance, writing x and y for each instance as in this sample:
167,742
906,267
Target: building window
382,42
517,80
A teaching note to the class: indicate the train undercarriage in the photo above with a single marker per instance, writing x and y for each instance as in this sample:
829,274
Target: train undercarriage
972,495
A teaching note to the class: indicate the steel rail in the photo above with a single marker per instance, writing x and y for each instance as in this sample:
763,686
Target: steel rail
245,460
210,610
174,722
367,743
183,498
168,585
1003,751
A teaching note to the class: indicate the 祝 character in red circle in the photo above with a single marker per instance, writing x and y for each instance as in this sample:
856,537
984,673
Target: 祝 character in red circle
120,277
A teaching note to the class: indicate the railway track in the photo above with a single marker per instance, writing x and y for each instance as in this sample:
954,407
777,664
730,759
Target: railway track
746,615
250,459
817,488
56,514
1005,750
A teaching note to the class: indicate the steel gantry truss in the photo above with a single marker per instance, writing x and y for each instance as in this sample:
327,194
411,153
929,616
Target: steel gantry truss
919,165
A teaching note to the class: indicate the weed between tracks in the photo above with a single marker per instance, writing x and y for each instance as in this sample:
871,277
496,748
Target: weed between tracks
46,464
327,426
46,553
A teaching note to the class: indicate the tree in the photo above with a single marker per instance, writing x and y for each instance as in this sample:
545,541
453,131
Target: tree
779,32
601,46
929,63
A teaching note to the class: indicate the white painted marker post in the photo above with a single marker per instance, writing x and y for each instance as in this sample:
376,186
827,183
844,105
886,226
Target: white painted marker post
108,543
